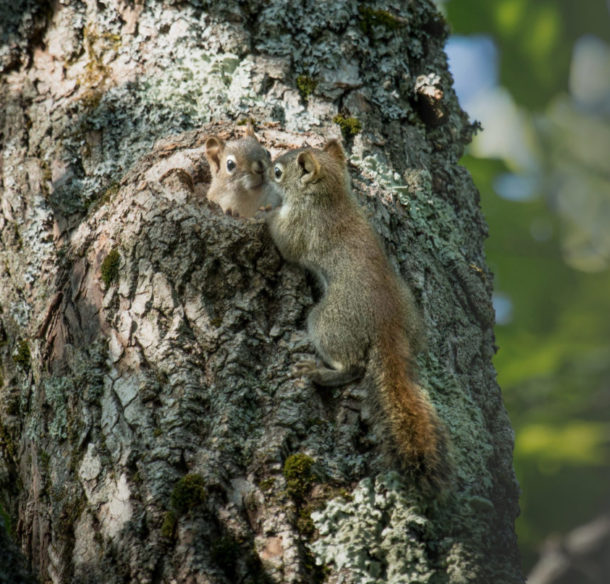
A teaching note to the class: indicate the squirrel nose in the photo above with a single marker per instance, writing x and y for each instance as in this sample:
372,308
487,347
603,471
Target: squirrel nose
258,167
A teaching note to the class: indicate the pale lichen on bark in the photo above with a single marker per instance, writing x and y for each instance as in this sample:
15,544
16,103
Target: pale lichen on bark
174,358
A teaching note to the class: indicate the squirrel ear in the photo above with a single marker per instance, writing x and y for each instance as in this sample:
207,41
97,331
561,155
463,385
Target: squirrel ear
250,128
334,148
213,147
309,165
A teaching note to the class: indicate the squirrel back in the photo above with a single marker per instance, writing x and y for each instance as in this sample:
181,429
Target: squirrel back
366,318
240,182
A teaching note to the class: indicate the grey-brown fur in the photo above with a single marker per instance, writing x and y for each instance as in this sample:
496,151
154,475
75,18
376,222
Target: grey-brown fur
240,184
366,319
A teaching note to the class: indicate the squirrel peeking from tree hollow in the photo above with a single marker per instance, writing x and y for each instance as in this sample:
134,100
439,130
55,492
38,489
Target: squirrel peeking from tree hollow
240,181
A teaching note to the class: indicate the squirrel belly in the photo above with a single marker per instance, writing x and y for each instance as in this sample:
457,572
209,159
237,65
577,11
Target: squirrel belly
366,319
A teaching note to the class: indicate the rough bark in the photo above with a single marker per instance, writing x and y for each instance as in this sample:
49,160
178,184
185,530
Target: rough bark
150,427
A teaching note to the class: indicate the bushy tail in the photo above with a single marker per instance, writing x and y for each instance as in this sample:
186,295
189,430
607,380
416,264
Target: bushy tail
419,438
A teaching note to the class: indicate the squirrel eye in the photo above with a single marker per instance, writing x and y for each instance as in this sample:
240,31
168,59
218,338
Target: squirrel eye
231,164
277,172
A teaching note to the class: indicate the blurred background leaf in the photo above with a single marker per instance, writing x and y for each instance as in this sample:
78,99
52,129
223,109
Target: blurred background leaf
537,76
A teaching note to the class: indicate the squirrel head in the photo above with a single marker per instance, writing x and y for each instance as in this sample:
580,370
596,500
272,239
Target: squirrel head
309,172
239,165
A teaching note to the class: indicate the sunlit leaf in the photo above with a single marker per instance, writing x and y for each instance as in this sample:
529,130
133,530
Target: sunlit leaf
579,442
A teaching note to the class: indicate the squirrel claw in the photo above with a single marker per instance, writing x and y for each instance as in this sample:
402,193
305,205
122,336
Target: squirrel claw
304,368
231,213
262,211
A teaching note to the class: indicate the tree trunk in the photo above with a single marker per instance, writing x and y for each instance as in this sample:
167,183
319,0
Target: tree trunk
150,425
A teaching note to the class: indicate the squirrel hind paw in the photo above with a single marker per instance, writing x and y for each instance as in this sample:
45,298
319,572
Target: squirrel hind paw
304,368
326,377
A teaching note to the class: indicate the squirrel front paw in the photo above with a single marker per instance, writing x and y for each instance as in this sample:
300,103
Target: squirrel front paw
231,213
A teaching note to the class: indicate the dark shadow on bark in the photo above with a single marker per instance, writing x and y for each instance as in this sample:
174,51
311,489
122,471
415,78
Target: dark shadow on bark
15,45
12,563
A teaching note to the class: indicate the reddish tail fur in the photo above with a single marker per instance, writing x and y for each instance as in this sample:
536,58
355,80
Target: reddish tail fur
419,438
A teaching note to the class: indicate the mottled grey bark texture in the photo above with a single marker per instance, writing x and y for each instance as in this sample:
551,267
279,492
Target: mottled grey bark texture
150,427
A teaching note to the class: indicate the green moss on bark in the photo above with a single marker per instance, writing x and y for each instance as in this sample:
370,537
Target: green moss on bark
110,267
23,355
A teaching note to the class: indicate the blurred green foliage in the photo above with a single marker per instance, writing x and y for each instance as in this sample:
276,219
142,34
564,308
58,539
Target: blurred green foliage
553,366
554,359
535,39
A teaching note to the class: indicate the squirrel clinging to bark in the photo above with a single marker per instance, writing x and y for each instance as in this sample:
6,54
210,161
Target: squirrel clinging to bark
366,319
240,182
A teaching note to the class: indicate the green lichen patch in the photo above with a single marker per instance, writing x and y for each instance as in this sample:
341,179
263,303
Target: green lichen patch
6,519
305,524
300,483
110,267
317,499
72,508
306,86
57,391
189,493
225,553
97,45
266,485
45,460
168,526
91,98
299,476
13,407
246,121
349,126
7,443
371,17
23,356
109,193
363,533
